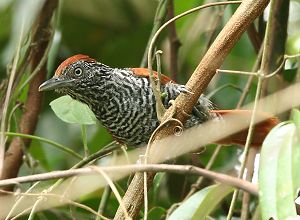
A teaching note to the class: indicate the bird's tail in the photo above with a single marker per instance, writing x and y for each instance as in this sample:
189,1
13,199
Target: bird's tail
260,131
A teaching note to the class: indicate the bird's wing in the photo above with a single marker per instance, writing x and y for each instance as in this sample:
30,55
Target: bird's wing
143,72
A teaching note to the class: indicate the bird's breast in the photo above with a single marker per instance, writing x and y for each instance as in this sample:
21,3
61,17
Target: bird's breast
128,112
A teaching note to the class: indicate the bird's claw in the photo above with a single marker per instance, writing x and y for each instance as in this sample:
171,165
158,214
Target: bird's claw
184,89
173,103
186,114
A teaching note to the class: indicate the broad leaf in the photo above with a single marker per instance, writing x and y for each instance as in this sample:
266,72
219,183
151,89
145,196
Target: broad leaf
290,74
202,203
156,213
295,117
72,111
278,172
158,179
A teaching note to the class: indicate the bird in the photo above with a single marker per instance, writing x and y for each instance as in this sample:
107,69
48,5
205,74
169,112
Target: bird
123,101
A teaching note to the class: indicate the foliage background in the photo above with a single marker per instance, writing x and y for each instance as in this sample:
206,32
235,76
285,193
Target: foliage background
116,33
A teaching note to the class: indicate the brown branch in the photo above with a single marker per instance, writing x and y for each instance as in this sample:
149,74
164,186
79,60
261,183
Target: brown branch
40,39
254,37
159,18
196,186
112,170
278,25
250,172
174,42
214,27
250,79
213,59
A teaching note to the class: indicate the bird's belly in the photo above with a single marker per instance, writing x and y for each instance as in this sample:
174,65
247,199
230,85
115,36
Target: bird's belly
130,122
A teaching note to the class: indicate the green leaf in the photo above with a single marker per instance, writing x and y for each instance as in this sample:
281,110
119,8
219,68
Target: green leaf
72,111
158,179
295,117
290,74
156,213
202,203
278,174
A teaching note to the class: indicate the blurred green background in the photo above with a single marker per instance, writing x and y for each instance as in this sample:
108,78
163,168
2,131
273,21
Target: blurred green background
116,32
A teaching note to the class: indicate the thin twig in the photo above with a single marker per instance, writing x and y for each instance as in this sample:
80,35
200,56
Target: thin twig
252,151
254,37
174,42
11,115
159,17
158,54
158,60
250,170
279,10
104,200
258,74
19,200
250,79
214,26
101,153
113,188
84,140
180,169
225,86
22,213
34,207
38,67
41,33
69,201
6,101
48,141
208,166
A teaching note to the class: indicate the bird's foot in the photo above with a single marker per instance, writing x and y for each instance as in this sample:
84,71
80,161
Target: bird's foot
173,108
184,89
179,128
160,111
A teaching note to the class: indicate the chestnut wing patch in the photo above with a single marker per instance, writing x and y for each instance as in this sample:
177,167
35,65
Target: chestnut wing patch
143,72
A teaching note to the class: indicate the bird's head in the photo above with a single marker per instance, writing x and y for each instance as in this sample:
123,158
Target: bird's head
69,74
75,75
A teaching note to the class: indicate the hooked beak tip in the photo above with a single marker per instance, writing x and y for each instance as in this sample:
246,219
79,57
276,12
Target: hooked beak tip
54,83
47,85
41,88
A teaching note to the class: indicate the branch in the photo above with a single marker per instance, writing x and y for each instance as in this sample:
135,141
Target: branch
279,11
111,170
40,39
254,38
173,41
6,100
160,15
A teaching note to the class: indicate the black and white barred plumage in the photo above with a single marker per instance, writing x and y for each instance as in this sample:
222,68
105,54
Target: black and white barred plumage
122,100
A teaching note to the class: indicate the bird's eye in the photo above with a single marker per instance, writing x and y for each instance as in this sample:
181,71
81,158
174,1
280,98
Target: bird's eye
78,71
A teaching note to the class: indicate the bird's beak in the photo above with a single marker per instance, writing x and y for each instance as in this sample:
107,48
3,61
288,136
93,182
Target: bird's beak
55,83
